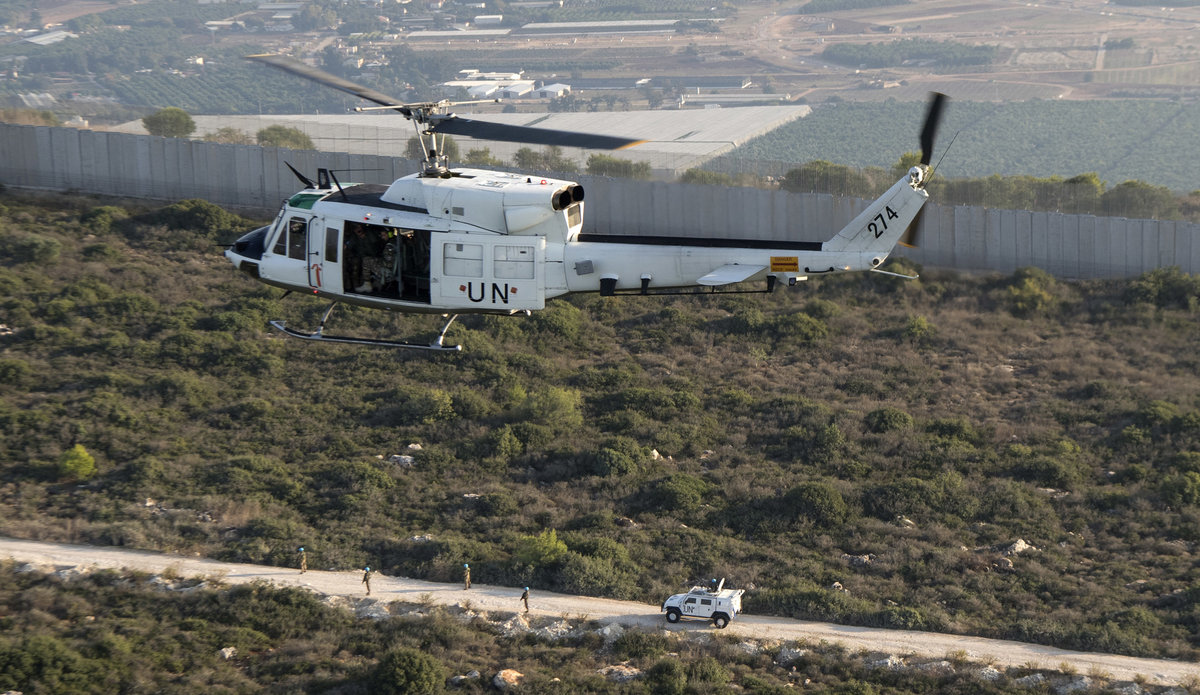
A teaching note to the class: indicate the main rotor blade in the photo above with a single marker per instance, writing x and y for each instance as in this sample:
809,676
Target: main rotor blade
308,72
933,115
483,130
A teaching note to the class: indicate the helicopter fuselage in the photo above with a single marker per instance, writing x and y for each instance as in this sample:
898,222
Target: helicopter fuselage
476,241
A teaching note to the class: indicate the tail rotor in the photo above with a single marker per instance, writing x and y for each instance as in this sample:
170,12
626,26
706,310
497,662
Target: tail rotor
933,117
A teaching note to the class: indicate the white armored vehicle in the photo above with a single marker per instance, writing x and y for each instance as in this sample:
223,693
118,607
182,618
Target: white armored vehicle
717,604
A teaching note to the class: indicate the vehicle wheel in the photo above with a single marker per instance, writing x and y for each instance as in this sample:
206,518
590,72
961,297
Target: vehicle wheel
720,620
672,615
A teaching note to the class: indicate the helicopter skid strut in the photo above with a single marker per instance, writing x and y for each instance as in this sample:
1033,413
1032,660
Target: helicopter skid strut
437,345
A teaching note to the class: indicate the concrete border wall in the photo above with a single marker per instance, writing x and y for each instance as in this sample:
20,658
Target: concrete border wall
254,179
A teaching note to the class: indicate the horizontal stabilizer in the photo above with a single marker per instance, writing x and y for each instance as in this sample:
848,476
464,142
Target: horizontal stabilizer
729,274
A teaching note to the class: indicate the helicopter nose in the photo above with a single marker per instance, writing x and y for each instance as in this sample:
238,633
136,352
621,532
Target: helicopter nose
248,250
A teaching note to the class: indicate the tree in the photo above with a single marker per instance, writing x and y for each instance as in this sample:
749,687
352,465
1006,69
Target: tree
171,122
229,136
406,671
604,165
283,136
481,157
1139,199
706,177
76,464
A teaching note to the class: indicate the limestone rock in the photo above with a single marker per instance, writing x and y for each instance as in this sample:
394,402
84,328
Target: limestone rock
787,656
507,679
620,673
1074,685
611,633
228,653
891,663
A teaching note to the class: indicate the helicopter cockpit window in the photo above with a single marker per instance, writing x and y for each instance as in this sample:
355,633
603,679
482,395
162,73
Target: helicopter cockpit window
514,262
297,237
463,260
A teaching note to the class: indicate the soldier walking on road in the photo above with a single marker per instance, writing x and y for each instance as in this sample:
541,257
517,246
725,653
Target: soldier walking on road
525,598
466,576
303,560
367,579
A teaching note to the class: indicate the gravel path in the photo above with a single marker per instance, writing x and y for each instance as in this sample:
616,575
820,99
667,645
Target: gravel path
1000,653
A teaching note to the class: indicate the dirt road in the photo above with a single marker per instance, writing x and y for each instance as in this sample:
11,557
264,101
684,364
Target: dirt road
495,598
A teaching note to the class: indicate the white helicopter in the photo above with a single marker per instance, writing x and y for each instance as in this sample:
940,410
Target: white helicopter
461,241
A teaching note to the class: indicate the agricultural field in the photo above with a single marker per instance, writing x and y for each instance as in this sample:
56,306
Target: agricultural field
1040,138
1007,456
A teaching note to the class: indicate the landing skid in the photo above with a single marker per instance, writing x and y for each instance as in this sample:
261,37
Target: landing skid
437,345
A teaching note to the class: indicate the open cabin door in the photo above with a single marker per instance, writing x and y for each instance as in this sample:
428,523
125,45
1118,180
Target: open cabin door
488,272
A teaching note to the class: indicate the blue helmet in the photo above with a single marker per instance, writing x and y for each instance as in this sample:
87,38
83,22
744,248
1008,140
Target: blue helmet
368,569
466,565
301,548
527,588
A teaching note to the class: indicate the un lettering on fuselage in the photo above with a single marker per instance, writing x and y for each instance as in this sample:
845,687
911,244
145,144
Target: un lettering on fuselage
478,292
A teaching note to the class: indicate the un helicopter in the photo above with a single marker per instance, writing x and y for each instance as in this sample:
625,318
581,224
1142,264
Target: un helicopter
457,241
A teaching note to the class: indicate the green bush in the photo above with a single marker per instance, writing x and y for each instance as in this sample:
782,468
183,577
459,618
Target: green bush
680,492
31,248
15,372
666,677
407,671
635,644
621,456
100,219
542,550
888,420
76,464
818,502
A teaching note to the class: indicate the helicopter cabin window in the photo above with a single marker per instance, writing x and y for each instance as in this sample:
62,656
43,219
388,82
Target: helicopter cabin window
575,215
297,237
463,260
331,244
514,262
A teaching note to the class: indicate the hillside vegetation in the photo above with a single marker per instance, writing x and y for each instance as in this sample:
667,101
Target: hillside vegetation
908,440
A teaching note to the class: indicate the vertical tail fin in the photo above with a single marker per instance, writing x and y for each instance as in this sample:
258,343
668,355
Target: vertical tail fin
880,226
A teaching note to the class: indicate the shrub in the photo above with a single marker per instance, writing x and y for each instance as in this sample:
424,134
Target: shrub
817,502
888,420
76,464
1030,292
14,372
1181,489
635,644
680,492
31,248
708,670
918,330
666,677
621,456
540,551
197,215
1166,288
406,671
